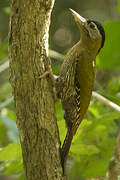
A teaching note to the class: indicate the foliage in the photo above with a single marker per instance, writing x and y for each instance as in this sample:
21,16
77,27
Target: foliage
118,7
3,50
93,146
111,49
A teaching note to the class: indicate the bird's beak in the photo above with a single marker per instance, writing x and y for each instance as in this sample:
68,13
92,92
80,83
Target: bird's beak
81,20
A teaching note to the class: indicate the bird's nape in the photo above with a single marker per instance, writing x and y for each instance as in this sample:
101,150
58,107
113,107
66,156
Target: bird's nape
101,29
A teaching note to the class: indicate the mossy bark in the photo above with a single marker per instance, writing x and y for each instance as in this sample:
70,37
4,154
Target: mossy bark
33,92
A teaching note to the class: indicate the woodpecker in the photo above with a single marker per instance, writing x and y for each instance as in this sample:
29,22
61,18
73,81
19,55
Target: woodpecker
76,80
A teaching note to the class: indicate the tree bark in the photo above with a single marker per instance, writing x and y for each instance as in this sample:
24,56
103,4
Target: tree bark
32,86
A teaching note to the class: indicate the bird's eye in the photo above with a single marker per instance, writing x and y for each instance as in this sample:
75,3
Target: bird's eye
92,26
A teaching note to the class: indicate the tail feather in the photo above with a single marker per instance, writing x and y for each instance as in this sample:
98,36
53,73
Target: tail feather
66,147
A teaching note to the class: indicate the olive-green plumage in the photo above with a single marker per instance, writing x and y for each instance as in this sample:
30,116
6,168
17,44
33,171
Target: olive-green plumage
76,80
76,83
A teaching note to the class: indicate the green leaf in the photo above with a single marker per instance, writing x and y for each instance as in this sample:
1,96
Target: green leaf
3,51
5,91
7,10
21,177
93,146
12,128
59,111
118,6
2,133
62,130
12,167
108,117
82,149
109,56
60,121
94,111
10,152
93,167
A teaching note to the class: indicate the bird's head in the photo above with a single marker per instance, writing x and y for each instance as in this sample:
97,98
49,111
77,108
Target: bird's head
92,32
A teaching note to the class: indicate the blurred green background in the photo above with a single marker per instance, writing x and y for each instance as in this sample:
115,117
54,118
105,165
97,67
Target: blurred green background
93,146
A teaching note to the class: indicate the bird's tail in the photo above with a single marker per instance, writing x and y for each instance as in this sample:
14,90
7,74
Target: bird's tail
66,147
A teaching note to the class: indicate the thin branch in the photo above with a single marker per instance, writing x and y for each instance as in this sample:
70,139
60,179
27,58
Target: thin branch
94,94
52,54
56,55
4,66
106,101
103,100
5,103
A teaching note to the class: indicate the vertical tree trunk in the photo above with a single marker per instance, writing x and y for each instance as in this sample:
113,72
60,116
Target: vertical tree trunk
32,88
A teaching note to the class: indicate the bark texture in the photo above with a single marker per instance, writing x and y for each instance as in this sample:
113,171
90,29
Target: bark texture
32,88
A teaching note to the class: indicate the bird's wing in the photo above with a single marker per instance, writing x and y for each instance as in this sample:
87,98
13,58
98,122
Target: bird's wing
84,82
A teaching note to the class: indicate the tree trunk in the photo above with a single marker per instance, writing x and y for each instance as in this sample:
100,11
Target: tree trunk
32,88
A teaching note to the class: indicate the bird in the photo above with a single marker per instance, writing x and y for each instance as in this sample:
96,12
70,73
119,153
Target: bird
77,75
